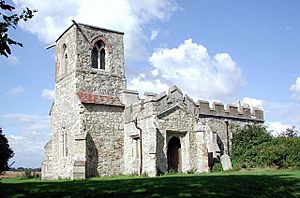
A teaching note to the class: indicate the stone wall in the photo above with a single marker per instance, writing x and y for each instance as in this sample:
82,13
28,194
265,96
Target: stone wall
201,129
92,134
103,125
79,131
105,133
60,152
180,124
131,149
110,81
220,126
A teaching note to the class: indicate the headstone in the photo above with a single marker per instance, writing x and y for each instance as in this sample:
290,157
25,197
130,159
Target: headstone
226,162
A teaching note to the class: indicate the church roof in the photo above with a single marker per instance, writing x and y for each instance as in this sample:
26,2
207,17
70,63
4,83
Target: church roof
89,98
91,26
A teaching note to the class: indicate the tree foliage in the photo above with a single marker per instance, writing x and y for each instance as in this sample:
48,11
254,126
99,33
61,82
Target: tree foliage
10,20
254,147
245,143
5,153
290,132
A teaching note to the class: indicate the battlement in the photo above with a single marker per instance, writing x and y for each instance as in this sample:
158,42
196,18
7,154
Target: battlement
175,97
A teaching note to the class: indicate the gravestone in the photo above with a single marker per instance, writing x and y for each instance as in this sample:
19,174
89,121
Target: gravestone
226,162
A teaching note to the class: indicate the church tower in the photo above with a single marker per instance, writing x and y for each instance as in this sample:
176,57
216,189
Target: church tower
94,134
87,114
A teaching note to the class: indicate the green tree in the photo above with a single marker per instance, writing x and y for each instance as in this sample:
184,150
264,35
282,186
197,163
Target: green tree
290,132
5,153
254,147
245,145
10,20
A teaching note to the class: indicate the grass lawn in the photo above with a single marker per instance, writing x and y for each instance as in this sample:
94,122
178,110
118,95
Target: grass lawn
254,183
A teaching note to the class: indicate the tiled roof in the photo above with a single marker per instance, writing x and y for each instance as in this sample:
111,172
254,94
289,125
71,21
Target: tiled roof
89,98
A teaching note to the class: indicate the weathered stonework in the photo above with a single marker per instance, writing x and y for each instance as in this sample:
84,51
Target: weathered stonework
98,126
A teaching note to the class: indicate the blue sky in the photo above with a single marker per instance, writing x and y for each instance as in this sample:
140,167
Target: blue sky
212,49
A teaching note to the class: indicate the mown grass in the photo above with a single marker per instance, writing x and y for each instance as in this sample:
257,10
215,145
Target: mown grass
254,183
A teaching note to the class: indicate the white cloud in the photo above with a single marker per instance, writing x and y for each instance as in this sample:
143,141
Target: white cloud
143,85
48,94
276,127
253,102
27,135
24,118
154,35
191,68
15,91
16,137
295,89
155,72
130,16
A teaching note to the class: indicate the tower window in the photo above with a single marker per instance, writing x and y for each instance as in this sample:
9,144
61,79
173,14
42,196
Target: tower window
98,55
64,61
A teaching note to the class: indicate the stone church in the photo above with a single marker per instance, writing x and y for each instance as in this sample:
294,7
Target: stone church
99,128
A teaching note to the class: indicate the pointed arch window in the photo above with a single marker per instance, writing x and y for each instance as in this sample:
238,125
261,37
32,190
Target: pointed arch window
64,60
98,55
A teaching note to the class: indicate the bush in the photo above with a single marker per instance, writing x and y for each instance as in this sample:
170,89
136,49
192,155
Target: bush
217,166
192,171
255,147
244,145
281,152
29,174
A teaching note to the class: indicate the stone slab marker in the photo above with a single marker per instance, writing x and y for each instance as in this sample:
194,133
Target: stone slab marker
226,162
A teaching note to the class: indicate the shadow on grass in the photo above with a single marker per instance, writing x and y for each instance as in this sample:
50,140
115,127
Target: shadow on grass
171,186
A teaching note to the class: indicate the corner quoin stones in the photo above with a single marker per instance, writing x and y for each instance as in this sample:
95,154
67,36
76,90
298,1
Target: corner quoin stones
96,123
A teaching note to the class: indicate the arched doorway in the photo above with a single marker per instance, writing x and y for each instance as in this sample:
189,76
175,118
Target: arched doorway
174,154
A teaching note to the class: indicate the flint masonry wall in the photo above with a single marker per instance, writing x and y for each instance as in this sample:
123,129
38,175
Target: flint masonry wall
173,114
105,132
86,139
103,124
222,120
96,122
61,150
110,81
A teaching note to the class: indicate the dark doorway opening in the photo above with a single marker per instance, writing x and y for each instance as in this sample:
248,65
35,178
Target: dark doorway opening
174,155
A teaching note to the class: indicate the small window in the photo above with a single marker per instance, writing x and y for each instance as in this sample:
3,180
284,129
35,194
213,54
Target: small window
64,61
98,55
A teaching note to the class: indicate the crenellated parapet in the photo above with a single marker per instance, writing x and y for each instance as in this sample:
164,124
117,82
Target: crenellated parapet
158,104
231,111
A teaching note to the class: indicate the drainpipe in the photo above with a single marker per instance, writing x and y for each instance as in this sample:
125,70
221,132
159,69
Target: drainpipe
141,147
227,134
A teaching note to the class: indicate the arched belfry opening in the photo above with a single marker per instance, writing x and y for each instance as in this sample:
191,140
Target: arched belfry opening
98,55
174,154
64,61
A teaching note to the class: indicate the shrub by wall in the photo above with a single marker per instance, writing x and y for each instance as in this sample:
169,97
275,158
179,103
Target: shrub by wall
255,147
